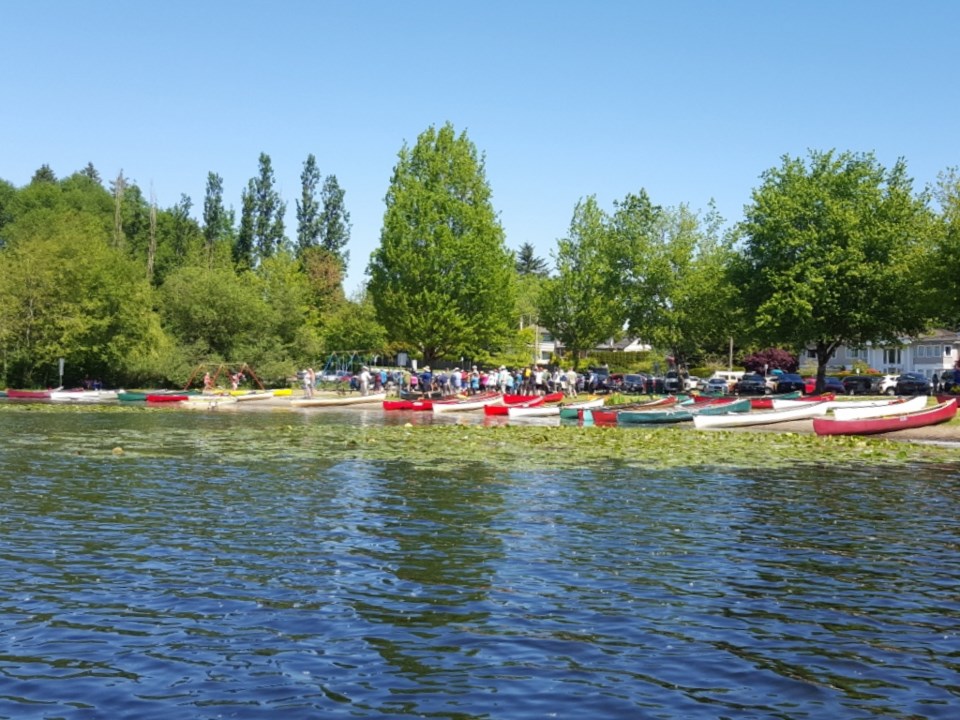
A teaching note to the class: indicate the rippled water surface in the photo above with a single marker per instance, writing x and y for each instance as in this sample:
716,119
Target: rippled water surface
195,578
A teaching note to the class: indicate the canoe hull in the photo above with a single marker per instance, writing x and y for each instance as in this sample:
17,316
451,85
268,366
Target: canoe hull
942,412
339,401
803,411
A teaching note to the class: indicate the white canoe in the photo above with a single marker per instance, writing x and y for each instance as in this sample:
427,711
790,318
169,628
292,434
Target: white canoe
802,411
536,411
339,400
83,395
842,411
207,402
475,403
251,396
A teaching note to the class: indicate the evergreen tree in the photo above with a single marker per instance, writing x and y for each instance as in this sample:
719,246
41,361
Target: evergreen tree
442,280
44,174
528,263
308,207
91,172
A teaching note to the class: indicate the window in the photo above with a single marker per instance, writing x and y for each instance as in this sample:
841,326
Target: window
891,356
947,350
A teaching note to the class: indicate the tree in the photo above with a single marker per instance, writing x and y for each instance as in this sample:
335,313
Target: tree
66,293
353,325
308,207
528,263
90,172
243,256
771,359
946,268
335,221
671,263
833,254
217,221
442,278
581,306
268,212
44,174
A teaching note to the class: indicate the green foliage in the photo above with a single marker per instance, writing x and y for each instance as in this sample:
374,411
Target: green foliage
217,221
66,293
353,326
334,223
442,279
834,253
308,207
583,305
528,264
945,272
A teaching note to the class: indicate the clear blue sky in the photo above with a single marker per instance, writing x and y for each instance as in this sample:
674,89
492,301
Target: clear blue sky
690,100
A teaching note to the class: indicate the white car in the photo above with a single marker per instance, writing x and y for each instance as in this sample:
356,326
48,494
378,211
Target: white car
887,385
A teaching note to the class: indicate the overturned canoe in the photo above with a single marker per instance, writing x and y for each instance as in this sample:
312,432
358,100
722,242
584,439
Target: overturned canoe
338,400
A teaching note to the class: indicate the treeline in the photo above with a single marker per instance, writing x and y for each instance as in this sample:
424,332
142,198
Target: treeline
834,249
134,294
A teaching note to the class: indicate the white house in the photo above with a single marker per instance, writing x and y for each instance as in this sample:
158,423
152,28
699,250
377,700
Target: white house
926,354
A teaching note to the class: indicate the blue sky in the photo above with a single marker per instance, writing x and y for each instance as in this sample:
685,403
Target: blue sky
690,100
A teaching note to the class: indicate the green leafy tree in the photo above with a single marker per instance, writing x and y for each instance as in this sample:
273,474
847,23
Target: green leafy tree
217,220
833,254
65,292
672,264
243,246
442,278
528,263
946,259
308,207
353,325
335,221
268,212
581,306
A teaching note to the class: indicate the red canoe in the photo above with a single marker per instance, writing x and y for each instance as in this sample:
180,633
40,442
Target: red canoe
608,415
939,413
166,397
505,409
29,394
398,404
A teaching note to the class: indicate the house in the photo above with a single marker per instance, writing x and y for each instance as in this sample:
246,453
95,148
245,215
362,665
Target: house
926,354
545,346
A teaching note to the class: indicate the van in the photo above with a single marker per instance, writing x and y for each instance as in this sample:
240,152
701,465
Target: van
731,376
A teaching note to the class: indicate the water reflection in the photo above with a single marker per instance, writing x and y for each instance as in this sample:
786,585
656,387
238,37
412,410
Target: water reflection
201,575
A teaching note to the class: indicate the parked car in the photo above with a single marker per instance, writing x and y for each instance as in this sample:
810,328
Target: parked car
861,384
887,384
634,384
833,384
717,386
752,385
912,384
790,382
677,382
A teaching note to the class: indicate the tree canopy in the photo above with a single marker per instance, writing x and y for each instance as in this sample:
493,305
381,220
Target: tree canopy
834,250
442,278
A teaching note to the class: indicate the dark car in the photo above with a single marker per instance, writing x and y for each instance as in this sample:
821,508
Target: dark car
752,385
790,382
833,384
635,384
912,384
861,384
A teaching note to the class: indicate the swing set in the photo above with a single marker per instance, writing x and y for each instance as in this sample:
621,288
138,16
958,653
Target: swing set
230,370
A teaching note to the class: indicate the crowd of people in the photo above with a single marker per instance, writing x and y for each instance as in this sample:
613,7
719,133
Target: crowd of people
529,380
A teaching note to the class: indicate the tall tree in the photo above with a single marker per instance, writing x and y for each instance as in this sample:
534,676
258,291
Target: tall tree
217,221
269,209
243,256
528,263
580,306
442,278
119,187
946,268
308,207
335,221
833,252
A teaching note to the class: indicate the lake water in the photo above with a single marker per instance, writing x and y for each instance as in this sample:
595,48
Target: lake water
204,573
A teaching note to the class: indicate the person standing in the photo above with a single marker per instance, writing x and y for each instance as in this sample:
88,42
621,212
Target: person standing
364,380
